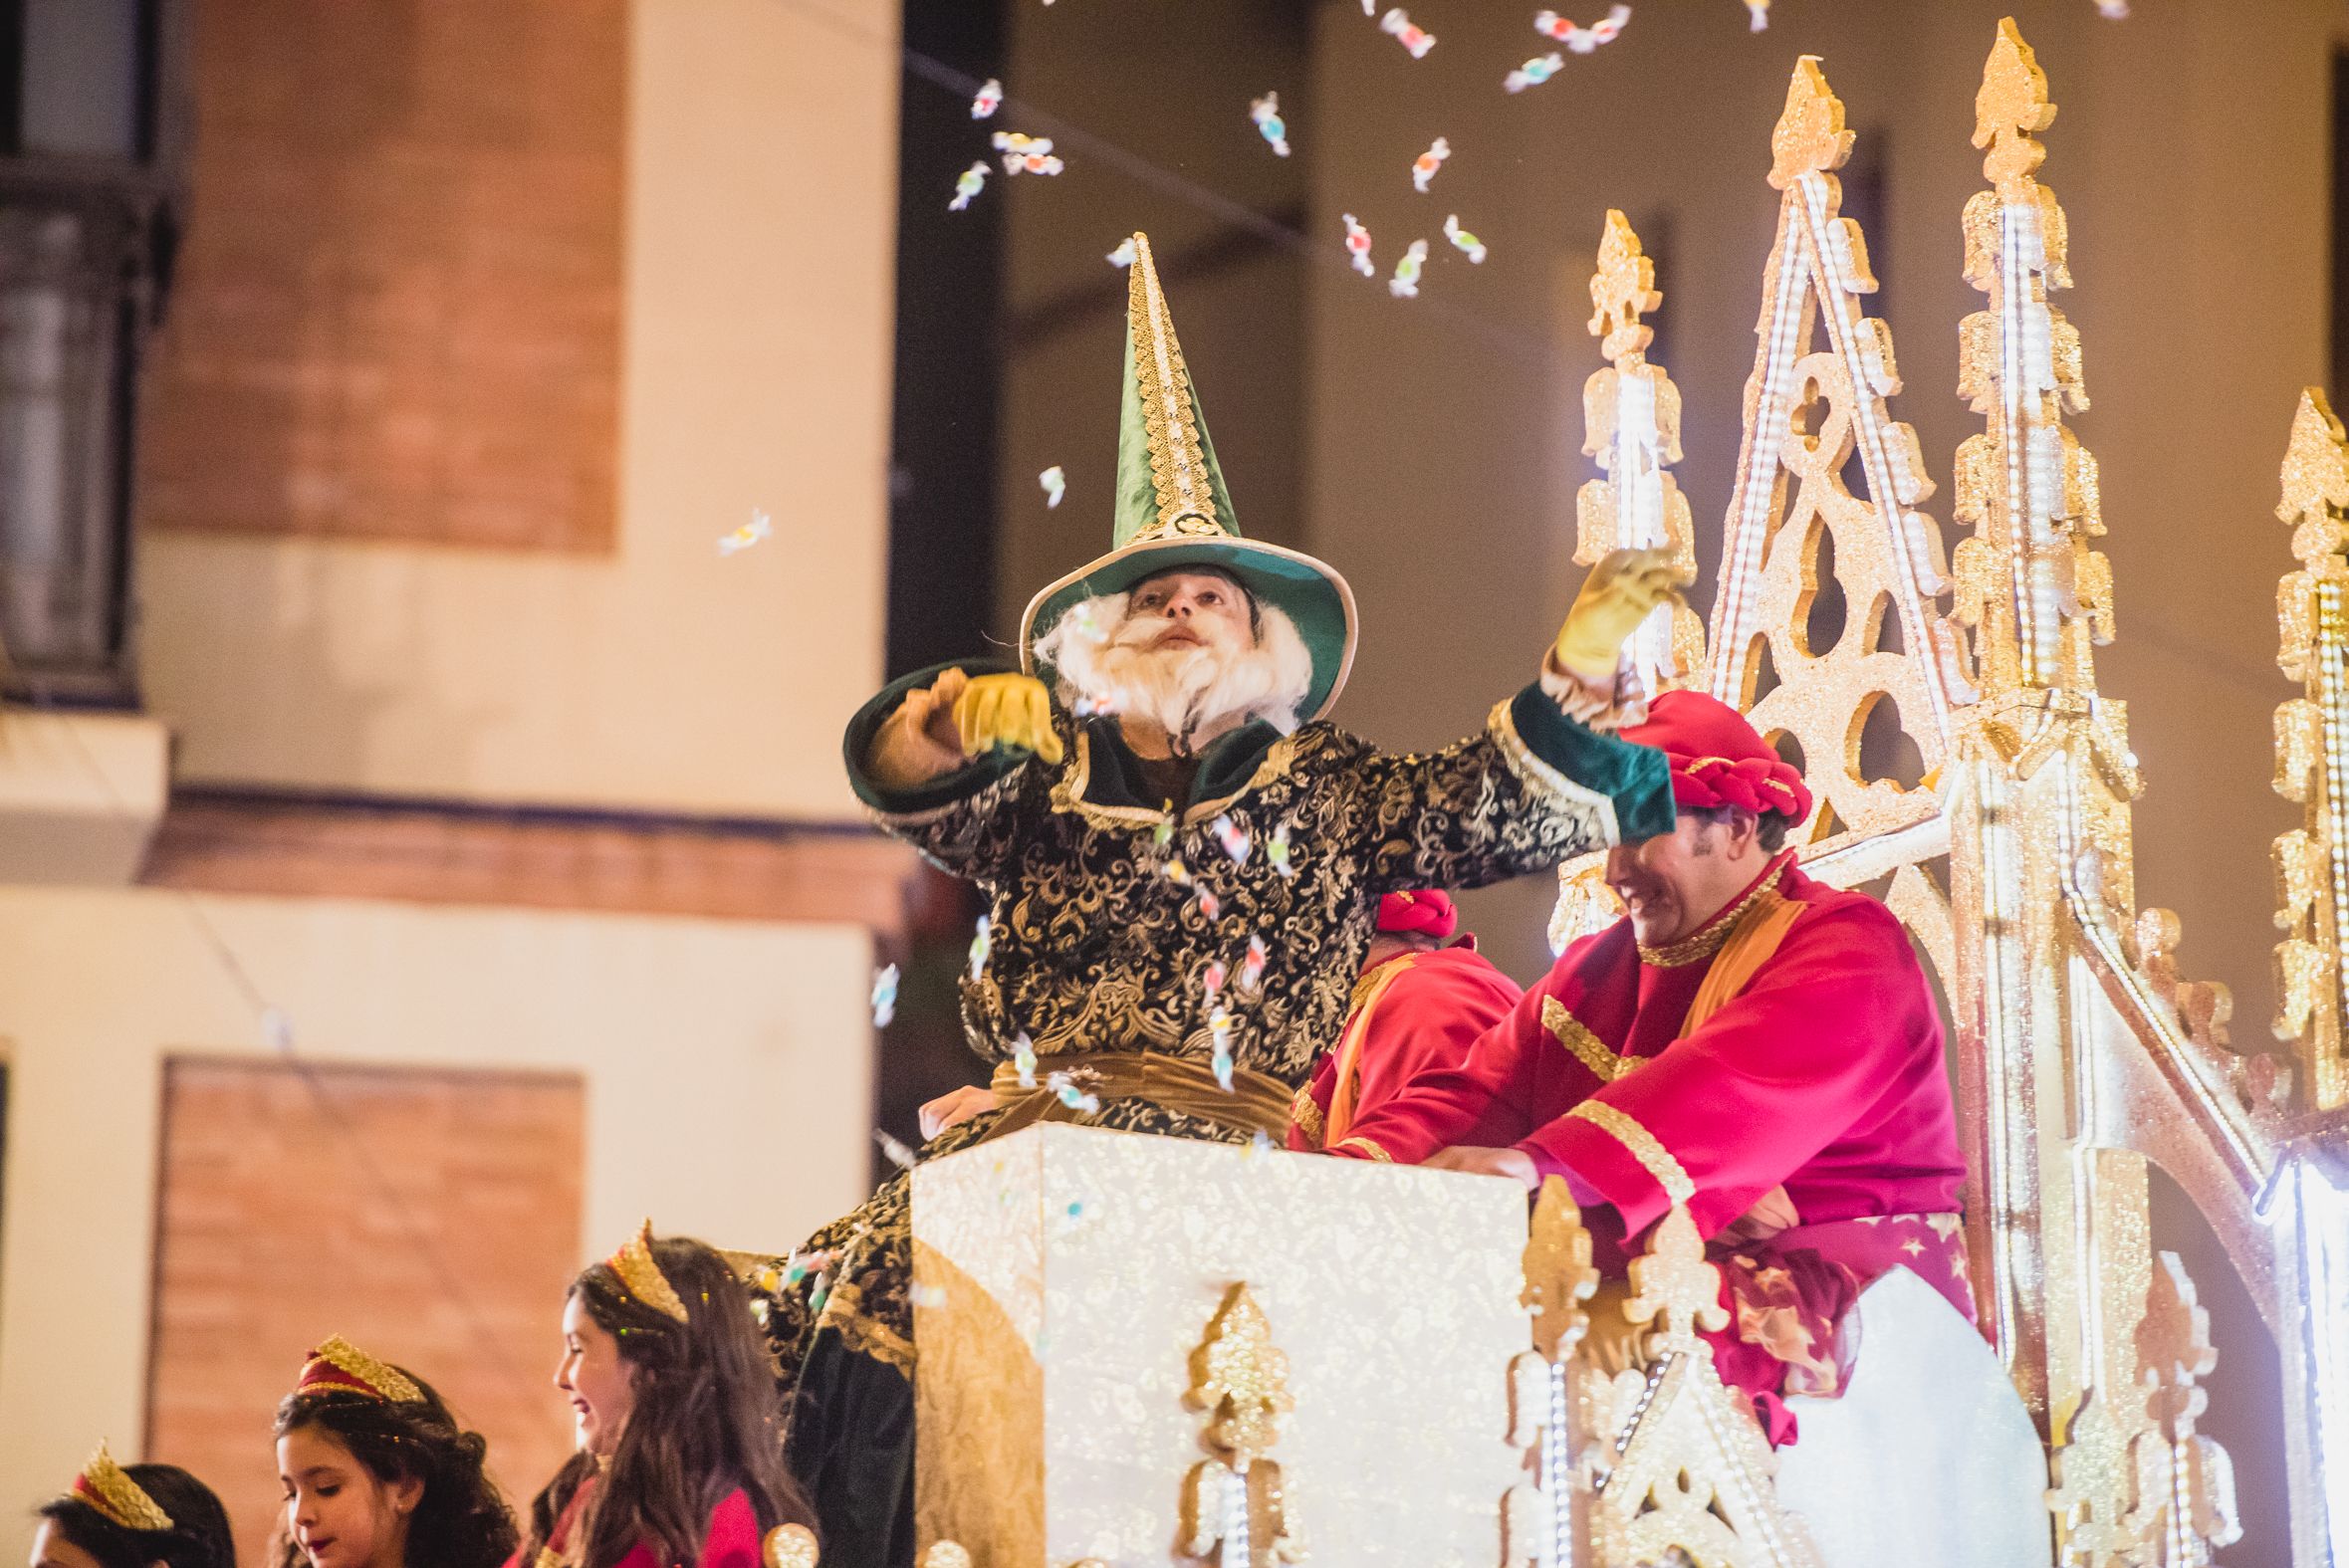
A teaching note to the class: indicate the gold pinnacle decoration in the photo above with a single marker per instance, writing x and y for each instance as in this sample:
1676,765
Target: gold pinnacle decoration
792,1546
1622,292
1180,471
1810,137
2185,1482
637,1270
2010,107
1681,1470
1241,1379
2312,750
1559,1276
107,1488
1891,664
1233,1509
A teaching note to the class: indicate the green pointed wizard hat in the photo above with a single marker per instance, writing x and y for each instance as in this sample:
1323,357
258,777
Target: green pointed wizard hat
1173,509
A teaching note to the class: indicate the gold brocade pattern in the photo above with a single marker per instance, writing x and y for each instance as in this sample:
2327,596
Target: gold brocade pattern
1716,932
1644,1146
1587,1047
1096,946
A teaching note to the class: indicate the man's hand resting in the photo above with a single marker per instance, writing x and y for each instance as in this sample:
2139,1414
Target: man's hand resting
1514,1163
955,1107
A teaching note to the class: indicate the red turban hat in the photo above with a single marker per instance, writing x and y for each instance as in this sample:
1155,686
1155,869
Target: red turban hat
1718,759
1423,911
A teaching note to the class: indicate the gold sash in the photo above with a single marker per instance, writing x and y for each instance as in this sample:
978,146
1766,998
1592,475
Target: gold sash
1255,1102
1753,943
1346,1082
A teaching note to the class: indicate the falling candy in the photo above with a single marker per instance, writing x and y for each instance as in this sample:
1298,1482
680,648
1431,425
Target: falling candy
1023,154
743,538
1358,246
1210,905
2110,10
1024,1061
800,1265
1414,38
1758,12
1265,111
1404,285
1424,166
1261,1142
1462,239
990,100
885,996
1219,1028
1234,839
1276,852
1177,872
1091,707
1211,982
968,184
1124,256
760,1308
1055,485
1252,968
898,1155
1582,40
982,944
1163,834
1534,71
1065,1088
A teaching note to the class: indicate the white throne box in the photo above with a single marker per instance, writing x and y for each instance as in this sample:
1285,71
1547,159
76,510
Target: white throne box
1064,1276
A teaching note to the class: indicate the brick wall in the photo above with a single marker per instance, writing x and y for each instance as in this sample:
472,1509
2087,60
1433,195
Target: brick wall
398,309
431,1217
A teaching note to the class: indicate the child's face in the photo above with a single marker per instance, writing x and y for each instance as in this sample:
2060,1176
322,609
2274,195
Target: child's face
336,1510
596,1378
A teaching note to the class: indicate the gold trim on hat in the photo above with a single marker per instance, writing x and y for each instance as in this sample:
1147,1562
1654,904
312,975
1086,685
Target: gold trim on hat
1178,466
635,1265
109,1488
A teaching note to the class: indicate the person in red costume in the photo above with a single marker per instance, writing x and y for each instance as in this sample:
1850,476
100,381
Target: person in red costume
1745,1041
1422,1001
680,1443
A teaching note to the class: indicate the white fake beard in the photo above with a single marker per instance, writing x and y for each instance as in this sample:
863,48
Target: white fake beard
1181,689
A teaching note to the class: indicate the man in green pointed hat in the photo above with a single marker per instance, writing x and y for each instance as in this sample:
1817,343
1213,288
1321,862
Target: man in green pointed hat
1183,865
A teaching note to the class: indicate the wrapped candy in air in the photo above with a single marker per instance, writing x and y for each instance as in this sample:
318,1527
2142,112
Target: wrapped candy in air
1416,39
1404,285
966,185
1265,111
1358,246
1424,166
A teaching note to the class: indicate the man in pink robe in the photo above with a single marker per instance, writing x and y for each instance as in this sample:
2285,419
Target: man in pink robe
1747,1041
1422,1001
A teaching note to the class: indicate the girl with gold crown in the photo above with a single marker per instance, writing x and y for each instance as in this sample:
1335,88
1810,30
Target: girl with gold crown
1183,862
380,1474
680,1447
134,1517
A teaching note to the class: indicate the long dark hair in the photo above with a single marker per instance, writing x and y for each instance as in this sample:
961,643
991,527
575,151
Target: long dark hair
706,1419
199,1536
461,1521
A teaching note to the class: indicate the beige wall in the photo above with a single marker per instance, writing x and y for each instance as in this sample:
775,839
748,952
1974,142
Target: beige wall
756,357
729,1085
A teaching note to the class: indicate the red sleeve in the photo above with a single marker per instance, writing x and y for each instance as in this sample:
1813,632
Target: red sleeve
1428,1022
1436,1107
1740,1103
733,1542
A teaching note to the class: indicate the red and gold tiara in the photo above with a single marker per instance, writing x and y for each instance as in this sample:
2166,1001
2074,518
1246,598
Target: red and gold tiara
636,1269
340,1363
104,1485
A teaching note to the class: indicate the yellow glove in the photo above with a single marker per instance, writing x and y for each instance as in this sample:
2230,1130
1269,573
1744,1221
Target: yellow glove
1617,596
1007,710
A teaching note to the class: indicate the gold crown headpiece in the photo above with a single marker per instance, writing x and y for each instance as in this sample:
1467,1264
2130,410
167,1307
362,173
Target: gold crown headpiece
636,1269
340,1363
107,1488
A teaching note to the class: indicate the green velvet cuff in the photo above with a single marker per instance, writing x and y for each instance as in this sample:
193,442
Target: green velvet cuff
1636,778
946,788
